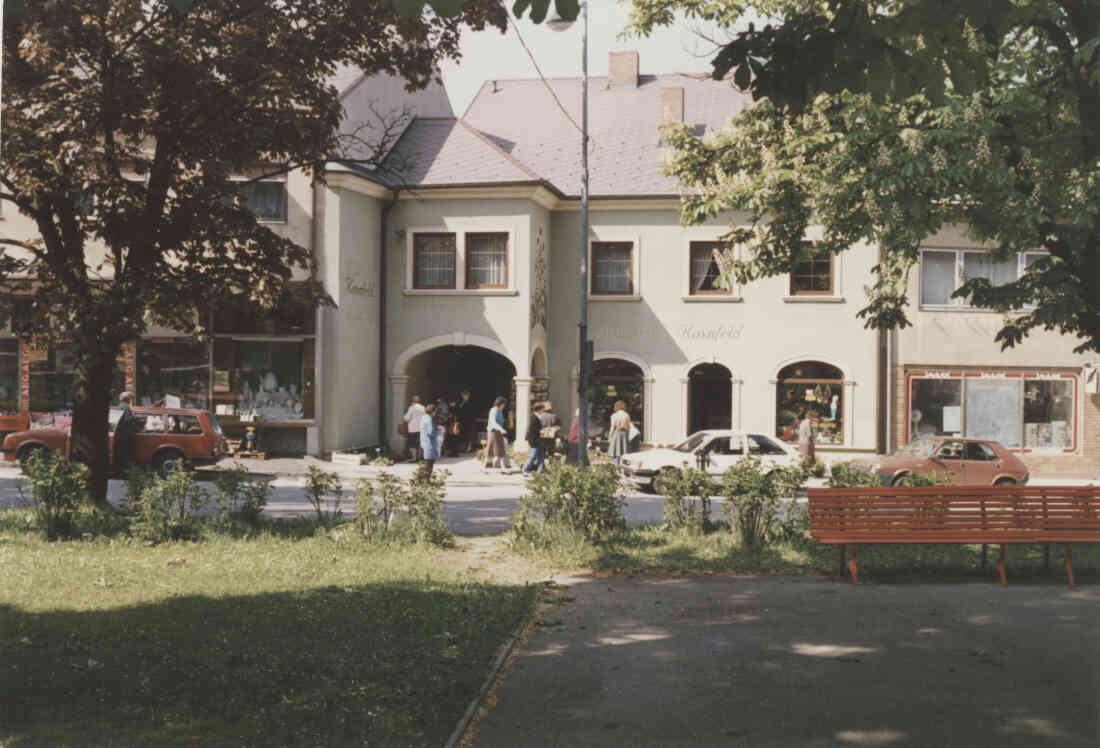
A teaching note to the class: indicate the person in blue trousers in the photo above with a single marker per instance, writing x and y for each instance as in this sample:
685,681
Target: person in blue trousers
534,439
429,439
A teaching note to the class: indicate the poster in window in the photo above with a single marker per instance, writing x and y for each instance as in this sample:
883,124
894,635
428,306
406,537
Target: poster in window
221,380
952,419
1031,434
993,410
37,350
1058,435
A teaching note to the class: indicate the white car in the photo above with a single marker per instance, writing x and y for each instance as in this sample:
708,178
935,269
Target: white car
715,451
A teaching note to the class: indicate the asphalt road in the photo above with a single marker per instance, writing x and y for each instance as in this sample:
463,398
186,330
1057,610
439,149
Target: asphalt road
473,507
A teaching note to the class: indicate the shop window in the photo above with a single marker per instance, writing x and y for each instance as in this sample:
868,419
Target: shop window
613,380
53,378
270,380
813,275
612,268
819,388
9,376
175,372
292,316
1048,413
487,260
434,258
267,200
943,271
993,410
705,273
935,407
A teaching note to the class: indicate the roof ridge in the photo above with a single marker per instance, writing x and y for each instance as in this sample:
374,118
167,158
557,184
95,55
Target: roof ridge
512,159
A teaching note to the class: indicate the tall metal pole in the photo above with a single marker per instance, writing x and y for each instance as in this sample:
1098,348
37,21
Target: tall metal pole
582,368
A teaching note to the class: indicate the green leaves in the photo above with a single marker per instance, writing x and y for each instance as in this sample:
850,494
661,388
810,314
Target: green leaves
569,10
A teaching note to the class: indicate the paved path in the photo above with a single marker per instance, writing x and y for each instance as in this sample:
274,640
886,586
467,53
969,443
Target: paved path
775,661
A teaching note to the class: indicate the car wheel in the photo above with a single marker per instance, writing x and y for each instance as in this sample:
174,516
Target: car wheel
168,462
897,479
668,473
29,451
1004,482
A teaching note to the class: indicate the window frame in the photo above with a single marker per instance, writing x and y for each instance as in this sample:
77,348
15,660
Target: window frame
466,265
958,304
722,293
245,181
831,291
459,229
634,294
416,265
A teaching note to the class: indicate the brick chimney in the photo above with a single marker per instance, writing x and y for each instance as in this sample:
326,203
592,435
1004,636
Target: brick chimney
622,70
672,105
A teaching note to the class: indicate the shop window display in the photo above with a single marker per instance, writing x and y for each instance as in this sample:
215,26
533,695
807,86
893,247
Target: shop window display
176,368
9,377
936,408
820,388
269,380
1048,413
53,381
613,380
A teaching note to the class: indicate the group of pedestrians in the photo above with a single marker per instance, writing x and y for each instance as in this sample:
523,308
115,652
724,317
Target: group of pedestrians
446,426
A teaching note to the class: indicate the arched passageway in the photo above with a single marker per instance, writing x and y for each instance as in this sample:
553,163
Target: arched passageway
449,369
710,397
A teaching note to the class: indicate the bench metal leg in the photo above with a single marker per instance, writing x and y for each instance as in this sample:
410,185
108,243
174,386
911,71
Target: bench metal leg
852,567
1069,568
1001,567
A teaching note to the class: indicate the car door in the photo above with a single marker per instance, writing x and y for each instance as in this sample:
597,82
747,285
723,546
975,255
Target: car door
982,464
724,452
950,457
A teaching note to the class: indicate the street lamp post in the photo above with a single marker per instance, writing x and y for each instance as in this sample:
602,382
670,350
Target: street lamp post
584,360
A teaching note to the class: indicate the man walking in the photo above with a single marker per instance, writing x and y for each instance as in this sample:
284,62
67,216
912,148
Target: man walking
124,434
534,439
551,425
413,414
464,411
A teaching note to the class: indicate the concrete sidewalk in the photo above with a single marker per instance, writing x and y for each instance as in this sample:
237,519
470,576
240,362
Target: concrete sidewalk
784,661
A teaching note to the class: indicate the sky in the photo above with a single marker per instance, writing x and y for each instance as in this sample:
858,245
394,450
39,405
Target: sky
490,55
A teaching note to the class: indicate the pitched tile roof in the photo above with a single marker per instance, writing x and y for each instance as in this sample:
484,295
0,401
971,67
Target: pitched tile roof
440,151
522,118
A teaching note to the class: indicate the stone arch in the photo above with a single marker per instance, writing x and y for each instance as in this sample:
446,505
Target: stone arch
458,339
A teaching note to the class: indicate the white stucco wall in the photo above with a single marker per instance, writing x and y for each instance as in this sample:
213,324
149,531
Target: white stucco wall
753,338
349,267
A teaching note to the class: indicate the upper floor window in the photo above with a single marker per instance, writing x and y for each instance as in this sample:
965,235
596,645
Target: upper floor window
943,271
813,276
434,257
612,268
705,273
487,260
266,200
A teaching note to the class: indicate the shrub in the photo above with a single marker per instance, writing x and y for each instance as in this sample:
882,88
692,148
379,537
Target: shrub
754,499
167,507
587,499
381,461
846,475
58,488
390,509
138,478
818,469
240,496
921,478
680,488
321,489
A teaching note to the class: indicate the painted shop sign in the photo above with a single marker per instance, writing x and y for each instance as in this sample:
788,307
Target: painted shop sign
687,331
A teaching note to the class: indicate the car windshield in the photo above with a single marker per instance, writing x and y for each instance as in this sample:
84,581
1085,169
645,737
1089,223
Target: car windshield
918,448
692,443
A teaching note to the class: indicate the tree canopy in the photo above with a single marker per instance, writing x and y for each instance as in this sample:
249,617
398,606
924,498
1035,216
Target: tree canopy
127,126
884,122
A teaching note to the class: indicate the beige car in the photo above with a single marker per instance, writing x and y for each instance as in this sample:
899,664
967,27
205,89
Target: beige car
970,462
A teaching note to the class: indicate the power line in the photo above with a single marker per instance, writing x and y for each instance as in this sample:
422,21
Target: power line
543,78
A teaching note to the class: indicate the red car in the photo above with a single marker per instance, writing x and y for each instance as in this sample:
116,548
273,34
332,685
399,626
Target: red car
165,439
975,462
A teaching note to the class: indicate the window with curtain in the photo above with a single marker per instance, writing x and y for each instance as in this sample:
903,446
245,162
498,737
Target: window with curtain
982,265
266,200
937,277
487,260
945,270
705,273
434,261
612,268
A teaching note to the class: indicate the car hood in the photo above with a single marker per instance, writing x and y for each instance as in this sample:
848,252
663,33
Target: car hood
889,462
50,433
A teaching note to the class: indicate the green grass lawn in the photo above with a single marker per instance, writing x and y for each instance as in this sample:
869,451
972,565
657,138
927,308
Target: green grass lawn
265,642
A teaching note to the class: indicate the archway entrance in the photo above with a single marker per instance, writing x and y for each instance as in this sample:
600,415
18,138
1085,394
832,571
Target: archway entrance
710,397
614,379
448,370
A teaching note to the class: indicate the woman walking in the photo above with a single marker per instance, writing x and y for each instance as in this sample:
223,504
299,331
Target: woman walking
619,433
429,439
496,450
806,437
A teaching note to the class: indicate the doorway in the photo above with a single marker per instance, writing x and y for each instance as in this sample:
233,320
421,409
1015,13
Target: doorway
710,397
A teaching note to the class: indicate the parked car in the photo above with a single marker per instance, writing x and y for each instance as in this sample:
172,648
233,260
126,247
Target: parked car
165,439
714,451
975,462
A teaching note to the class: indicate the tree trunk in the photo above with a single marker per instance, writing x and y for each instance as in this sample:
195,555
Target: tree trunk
89,441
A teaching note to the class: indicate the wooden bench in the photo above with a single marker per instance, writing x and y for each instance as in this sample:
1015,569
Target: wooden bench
955,514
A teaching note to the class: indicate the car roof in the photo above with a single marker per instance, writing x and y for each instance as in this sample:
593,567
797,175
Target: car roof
152,410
